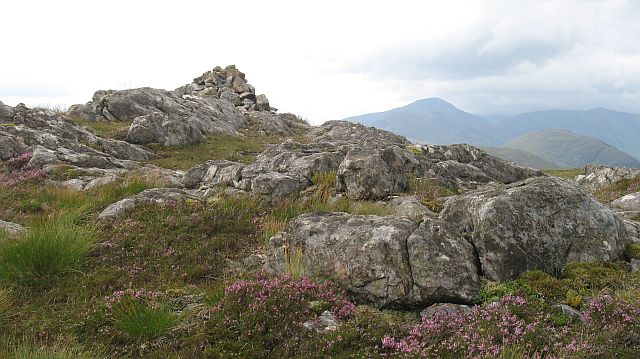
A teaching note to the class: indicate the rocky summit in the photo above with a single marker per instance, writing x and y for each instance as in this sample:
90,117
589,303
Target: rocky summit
208,182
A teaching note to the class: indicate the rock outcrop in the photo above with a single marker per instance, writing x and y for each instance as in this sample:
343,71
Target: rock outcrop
595,177
369,164
55,138
219,101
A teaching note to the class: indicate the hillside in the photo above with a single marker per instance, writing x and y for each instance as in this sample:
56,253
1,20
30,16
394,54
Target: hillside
520,157
201,223
618,129
434,121
571,150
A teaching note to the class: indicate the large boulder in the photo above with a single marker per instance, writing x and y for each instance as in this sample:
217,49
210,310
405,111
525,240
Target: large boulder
371,172
385,261
540,223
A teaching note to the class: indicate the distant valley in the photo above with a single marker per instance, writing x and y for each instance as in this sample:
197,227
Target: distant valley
543,139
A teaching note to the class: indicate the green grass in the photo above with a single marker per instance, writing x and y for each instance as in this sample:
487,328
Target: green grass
429,192
106,129
6,305
50,248
564,173
140,321
214,147
29,350
29,201
66,172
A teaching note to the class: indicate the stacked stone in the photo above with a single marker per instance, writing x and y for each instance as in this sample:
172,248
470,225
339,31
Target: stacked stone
228,84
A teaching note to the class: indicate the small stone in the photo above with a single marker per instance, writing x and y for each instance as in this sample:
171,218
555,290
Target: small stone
325,322
12,229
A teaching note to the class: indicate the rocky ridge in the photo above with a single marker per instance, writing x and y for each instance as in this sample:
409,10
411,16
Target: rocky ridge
500,220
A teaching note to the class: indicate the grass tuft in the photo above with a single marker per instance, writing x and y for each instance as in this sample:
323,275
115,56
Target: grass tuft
141,321
6,303
58,351
429,192
51,248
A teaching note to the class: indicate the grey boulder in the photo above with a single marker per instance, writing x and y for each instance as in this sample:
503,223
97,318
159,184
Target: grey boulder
541,223
385,261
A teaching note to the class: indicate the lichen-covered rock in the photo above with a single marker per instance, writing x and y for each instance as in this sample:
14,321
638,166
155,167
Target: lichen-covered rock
386,261
469,166
12,229
353,133
159,196
440,309
630,202
595,177
375,173
56,138
278,185
410,206
323,323
541,223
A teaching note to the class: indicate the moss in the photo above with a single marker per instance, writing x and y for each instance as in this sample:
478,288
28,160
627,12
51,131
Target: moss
544,284
633,251
593,277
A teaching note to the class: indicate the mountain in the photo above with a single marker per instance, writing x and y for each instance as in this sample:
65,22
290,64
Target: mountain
435,121
619,129
569,149
520,157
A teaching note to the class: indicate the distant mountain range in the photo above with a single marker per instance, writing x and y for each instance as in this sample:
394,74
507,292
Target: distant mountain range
596,136
521,157
436,121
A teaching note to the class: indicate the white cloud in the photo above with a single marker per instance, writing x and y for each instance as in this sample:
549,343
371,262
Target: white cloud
331,59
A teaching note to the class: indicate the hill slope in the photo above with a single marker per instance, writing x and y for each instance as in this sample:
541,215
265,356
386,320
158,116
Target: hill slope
619,129
520,157
569,149
434,121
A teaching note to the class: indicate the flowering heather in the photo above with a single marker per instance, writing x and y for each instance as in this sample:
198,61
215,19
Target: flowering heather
24,176
18,163
486,332
127,294
266,311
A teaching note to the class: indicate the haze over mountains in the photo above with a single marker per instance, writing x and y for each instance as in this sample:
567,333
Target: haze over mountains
595,136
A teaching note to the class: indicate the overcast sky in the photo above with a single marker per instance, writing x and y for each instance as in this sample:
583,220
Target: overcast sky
332,59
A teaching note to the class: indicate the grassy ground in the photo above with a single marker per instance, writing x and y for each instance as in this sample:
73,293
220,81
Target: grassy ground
214,147
162,284
115,130
564,173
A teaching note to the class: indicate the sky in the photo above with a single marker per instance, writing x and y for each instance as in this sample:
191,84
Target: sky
327,60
